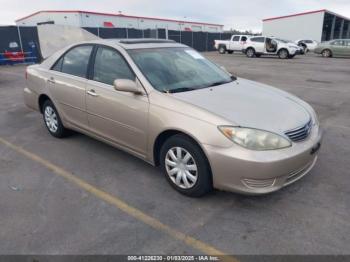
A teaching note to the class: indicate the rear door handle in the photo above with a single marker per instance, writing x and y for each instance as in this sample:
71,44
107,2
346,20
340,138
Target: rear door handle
92,93
51,80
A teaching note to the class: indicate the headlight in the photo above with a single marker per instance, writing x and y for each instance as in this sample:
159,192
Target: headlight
254,139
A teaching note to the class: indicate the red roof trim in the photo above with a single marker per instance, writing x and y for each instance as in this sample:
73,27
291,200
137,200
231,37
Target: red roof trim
299,14
109,14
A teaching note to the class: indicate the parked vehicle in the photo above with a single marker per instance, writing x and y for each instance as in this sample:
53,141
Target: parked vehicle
166,104
260,45
307,45
338,47
235,44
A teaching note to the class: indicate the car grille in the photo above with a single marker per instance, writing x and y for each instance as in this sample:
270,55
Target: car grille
300,133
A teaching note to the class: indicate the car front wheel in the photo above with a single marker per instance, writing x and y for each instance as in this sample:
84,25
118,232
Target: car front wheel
327,53
52,120
185,166
283,54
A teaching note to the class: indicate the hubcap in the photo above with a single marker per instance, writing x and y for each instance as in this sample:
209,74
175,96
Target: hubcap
250,52
283,54
51,119
181,167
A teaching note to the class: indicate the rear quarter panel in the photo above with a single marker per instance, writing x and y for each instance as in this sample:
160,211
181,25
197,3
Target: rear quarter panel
35,86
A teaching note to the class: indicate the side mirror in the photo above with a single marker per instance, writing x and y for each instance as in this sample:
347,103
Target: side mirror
127,85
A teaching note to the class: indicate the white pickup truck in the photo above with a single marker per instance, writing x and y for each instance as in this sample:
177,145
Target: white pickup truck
236,43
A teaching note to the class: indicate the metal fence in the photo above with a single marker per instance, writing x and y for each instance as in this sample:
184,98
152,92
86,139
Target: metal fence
21,44
201,41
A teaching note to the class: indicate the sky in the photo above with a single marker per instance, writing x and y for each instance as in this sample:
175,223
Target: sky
241,15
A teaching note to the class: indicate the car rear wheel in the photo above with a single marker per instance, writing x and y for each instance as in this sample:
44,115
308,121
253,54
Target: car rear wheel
230,52
52,120
326,53
222,49
185,166
250,52
283,54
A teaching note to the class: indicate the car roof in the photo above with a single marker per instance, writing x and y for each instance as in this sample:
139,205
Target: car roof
139,43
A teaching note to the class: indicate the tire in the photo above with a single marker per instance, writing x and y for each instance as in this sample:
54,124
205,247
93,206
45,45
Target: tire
194,177
52,120
326,53
222,50
230,52
291,56
258,55
283,54
250,52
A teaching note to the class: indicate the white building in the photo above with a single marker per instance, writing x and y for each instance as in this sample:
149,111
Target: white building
95,19
320,25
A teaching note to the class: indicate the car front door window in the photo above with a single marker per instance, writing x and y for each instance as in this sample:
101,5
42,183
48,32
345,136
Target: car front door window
109,66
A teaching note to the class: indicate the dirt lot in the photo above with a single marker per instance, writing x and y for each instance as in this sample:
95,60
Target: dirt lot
80,196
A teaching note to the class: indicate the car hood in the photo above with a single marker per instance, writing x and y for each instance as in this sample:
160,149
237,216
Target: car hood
249,104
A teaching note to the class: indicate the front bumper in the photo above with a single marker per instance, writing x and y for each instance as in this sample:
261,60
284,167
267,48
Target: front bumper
259,172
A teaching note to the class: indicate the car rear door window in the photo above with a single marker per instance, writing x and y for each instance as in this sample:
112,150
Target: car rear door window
244,38
109,66
58,65
75,61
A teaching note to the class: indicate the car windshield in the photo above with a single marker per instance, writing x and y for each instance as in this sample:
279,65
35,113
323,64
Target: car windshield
174,70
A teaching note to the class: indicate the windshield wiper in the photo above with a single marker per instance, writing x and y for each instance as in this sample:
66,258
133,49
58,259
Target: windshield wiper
181,89
219,83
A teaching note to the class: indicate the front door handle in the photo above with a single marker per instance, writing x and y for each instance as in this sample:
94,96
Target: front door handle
92,93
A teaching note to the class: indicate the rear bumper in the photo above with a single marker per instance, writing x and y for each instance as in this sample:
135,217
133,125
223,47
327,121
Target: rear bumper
259,172
31,99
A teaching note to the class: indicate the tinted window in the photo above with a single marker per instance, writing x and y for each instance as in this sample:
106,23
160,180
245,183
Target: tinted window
244,38
109,66
58,65
308,41
76,61
258,39
236,38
